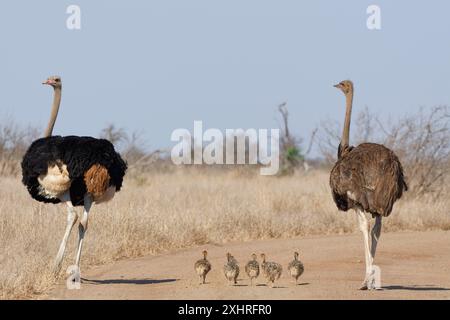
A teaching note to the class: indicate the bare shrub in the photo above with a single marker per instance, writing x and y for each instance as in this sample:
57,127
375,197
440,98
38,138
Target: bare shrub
133,149
113,134
14,142
421,140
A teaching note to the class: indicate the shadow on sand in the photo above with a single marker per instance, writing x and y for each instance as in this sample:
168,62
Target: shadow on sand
240,285
415,288
279,287
127,281
274,287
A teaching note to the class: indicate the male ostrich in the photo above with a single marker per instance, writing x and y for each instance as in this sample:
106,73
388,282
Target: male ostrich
367,178
76,170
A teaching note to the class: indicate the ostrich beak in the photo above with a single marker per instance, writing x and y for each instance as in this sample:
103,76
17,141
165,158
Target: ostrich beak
49,82
336,85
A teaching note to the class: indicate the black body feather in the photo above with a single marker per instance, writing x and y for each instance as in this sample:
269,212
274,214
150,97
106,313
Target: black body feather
78,154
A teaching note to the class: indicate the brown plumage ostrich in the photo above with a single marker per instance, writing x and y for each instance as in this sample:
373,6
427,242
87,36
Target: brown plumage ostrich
367,178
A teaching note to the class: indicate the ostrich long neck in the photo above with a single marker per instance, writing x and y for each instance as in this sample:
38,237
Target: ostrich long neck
348,114
54,112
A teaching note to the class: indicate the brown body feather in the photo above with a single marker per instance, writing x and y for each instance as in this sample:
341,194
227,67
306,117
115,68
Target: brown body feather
369,177
97,180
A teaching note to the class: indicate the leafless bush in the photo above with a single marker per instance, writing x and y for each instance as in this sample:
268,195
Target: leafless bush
421,140
113,134
133,148
14,142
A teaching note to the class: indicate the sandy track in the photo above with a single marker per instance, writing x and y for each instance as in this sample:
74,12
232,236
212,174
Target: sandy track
415,265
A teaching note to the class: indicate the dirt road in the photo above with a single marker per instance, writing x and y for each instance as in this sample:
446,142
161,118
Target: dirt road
415,265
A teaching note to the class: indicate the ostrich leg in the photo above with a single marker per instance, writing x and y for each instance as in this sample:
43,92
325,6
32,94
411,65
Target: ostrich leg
71,219
82,227
375,234
364,227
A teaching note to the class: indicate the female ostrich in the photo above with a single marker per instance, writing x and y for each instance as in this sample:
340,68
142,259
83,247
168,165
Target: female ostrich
367,178
76,170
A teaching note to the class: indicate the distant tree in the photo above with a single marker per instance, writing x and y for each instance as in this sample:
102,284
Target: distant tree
291,155
132,147
113,134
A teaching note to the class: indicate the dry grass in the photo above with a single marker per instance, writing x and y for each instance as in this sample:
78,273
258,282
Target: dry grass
160,212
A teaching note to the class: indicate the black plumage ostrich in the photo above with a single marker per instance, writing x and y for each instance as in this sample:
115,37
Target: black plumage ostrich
76,170
367,178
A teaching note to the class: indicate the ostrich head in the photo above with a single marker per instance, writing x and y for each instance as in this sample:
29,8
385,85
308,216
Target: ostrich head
229,256
54,81
254,256
205,253
345,86
263,257
295,255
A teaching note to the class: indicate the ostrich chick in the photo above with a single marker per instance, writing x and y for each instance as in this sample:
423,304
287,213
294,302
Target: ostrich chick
202,267
252,269
231,269
271,270
296,268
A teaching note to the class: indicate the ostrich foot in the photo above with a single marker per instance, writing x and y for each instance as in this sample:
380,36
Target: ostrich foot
364,285
73,280
367,283
370,282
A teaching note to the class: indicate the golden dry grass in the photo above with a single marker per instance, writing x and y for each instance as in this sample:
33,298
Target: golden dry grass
159,212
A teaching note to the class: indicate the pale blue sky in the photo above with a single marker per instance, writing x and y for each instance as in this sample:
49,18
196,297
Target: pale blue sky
154,66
